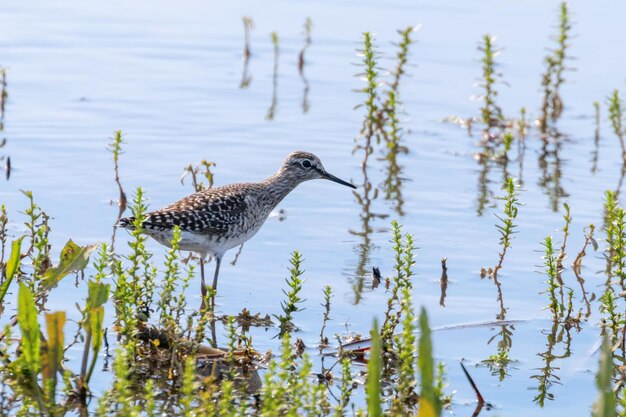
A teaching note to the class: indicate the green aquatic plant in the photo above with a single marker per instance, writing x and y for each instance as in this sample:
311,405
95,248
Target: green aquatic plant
491,113
165,303
372,127
441,384
188,388
41,277
404,253
35,283
613,317
391,104
205,170
552,272
553,78
567,217
37,375
393,132
616,116
287,390
606,404
92,325
618,245
402,57
294,284
160,345
374,372
327,296
39,246
430,401
127,294
10,269
615,254
381,124
118,399
115,147
506,228
405,346
346,388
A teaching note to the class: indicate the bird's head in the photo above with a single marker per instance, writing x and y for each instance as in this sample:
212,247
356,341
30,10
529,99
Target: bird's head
304,166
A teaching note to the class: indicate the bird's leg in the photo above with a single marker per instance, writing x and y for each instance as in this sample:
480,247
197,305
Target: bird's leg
213,333
202,282
218,262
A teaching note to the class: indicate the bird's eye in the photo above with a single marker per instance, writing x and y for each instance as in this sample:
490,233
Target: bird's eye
306,163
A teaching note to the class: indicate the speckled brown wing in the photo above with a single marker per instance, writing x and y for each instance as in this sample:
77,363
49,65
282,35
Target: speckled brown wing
213,211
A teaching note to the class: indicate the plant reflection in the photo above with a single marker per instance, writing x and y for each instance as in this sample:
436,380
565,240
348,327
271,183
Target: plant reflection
499,362
577,266
308,25
392,186
558,343
550,166
443,282
271,111
3,100
248,25
365,196
596,138
496,146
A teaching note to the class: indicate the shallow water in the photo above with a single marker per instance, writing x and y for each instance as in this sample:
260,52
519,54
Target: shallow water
168,75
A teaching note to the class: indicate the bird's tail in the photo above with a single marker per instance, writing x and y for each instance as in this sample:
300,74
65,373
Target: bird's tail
126,223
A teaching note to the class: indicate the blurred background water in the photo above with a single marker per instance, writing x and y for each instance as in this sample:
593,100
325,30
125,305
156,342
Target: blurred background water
168,74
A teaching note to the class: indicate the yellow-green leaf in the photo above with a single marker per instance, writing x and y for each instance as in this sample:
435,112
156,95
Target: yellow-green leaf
12,266
605,404
55,347
96,318
73,258
430,403
372,388
29,326
97,295
426,408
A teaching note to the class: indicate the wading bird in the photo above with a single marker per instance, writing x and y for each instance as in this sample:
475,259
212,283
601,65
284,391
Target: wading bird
218,219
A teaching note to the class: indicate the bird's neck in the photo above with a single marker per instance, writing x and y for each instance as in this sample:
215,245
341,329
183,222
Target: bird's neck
277,187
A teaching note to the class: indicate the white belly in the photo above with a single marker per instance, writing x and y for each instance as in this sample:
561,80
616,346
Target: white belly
201,243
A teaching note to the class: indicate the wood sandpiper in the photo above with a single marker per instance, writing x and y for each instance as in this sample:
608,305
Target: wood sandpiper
218,219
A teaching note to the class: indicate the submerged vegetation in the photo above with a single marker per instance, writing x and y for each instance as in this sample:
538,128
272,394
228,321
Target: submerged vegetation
173,349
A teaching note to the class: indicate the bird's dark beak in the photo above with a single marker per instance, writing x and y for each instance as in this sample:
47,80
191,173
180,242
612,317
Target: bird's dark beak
332,178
